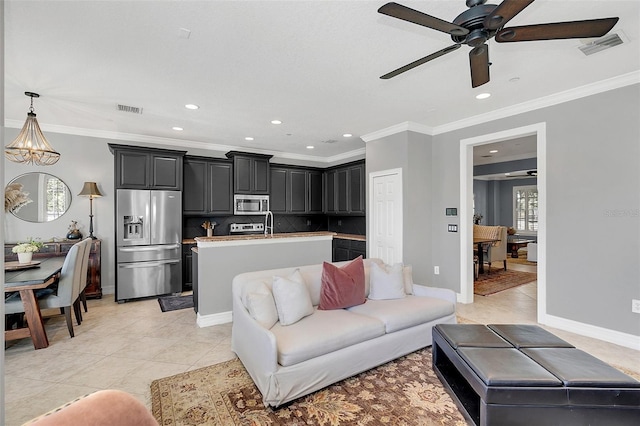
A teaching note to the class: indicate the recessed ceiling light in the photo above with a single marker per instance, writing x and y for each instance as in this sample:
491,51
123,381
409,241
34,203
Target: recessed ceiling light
483,95
493,151
248,138
347,135
276,122
176,128
191,106
310,147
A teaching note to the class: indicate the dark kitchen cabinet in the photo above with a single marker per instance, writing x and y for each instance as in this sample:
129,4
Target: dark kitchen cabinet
295,190
208,186
187,267
344,191
315,191
278,195
147,168
250,173
346,249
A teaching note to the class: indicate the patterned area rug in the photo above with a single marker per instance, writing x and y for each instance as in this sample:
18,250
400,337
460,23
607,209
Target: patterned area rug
521,259
405,391
499,280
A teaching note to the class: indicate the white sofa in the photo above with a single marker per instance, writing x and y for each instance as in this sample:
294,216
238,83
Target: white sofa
287,362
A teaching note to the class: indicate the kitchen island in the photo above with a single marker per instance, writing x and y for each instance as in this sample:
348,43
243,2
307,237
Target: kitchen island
221,258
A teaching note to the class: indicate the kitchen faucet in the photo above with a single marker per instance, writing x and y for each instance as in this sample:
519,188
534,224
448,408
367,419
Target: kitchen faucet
268,230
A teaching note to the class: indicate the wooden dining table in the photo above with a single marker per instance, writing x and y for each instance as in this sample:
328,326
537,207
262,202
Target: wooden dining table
26,282
479,242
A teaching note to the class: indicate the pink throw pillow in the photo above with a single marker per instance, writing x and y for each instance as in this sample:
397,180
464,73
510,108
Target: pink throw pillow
342,287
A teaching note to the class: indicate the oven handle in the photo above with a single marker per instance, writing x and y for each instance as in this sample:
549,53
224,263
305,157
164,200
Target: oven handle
150,248
147,264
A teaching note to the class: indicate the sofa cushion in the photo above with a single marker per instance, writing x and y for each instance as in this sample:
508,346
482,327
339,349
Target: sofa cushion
387,282
261,306
342,287
398,314
322,333
292,298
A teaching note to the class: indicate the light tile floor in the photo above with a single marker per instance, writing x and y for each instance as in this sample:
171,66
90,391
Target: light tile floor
126,346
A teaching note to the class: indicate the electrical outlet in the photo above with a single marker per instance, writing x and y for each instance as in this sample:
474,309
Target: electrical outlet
436,270
635,306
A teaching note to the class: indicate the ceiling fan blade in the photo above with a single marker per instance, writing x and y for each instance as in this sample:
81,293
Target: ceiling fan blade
557,30
420,61
479,62
504,13
396,10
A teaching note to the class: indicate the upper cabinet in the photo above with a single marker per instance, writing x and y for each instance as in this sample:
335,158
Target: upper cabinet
208,186
251,173
295,190
345,189
147,168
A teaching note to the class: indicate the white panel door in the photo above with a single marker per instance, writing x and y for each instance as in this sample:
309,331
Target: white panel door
386,216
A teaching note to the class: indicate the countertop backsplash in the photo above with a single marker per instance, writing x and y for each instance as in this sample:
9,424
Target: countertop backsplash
281,223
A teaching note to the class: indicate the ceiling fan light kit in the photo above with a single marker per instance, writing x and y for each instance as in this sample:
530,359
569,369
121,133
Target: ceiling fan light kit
481,22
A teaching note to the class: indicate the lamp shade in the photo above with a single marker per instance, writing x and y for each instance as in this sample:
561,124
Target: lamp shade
90,189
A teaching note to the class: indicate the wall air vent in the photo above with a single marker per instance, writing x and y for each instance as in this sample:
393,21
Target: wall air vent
131,109
602,43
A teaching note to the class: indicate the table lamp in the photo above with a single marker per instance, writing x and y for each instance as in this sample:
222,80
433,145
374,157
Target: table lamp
90,189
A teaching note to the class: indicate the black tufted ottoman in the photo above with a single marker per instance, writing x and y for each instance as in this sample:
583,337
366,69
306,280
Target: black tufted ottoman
523,375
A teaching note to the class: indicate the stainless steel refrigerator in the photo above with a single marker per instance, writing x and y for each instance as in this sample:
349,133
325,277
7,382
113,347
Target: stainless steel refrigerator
148,238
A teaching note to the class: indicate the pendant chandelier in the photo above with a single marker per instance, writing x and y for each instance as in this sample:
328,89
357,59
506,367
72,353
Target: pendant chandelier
31,146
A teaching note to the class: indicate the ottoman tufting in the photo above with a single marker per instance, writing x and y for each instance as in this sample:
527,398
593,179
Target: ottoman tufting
511,374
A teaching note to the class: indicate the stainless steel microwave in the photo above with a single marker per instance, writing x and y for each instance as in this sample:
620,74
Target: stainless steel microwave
250,204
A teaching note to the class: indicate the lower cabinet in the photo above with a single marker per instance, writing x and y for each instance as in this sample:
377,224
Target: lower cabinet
187,267
58,249
344,249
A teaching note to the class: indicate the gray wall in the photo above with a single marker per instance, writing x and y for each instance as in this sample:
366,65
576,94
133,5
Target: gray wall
81,159
410,152
593,211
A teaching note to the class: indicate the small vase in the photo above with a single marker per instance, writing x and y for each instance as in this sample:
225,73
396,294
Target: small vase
24,257
209,232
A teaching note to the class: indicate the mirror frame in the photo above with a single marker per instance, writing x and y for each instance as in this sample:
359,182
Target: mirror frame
38,195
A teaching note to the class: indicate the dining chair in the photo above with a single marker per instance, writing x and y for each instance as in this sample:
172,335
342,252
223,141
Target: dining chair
82,282
67,293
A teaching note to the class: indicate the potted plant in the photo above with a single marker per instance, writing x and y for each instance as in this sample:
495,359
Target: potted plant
25,250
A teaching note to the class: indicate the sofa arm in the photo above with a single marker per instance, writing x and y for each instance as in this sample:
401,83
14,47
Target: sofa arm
255,345
438,293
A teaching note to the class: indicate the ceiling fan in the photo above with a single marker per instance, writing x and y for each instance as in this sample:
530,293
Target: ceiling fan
481,22
528,173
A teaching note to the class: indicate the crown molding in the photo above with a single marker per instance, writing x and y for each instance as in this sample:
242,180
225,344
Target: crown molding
547,101
157,140
555,99
407,126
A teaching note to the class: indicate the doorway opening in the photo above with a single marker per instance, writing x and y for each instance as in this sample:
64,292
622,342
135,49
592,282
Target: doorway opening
466,208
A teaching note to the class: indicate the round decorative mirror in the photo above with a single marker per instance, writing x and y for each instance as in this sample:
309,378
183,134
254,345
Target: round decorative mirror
37,197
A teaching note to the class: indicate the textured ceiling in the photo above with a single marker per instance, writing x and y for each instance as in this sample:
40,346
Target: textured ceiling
315,65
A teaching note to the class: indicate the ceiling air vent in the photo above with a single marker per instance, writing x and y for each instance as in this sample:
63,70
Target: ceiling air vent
601,44
330,141
131,109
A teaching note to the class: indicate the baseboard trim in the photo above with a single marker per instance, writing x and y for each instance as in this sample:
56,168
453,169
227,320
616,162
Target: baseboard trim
213,319
605,334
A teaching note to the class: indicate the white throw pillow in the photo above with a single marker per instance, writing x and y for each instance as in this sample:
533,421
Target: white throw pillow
387,282
292,298
408,279
258,300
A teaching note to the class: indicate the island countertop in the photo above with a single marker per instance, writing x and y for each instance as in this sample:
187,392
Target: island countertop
219,238
222,240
